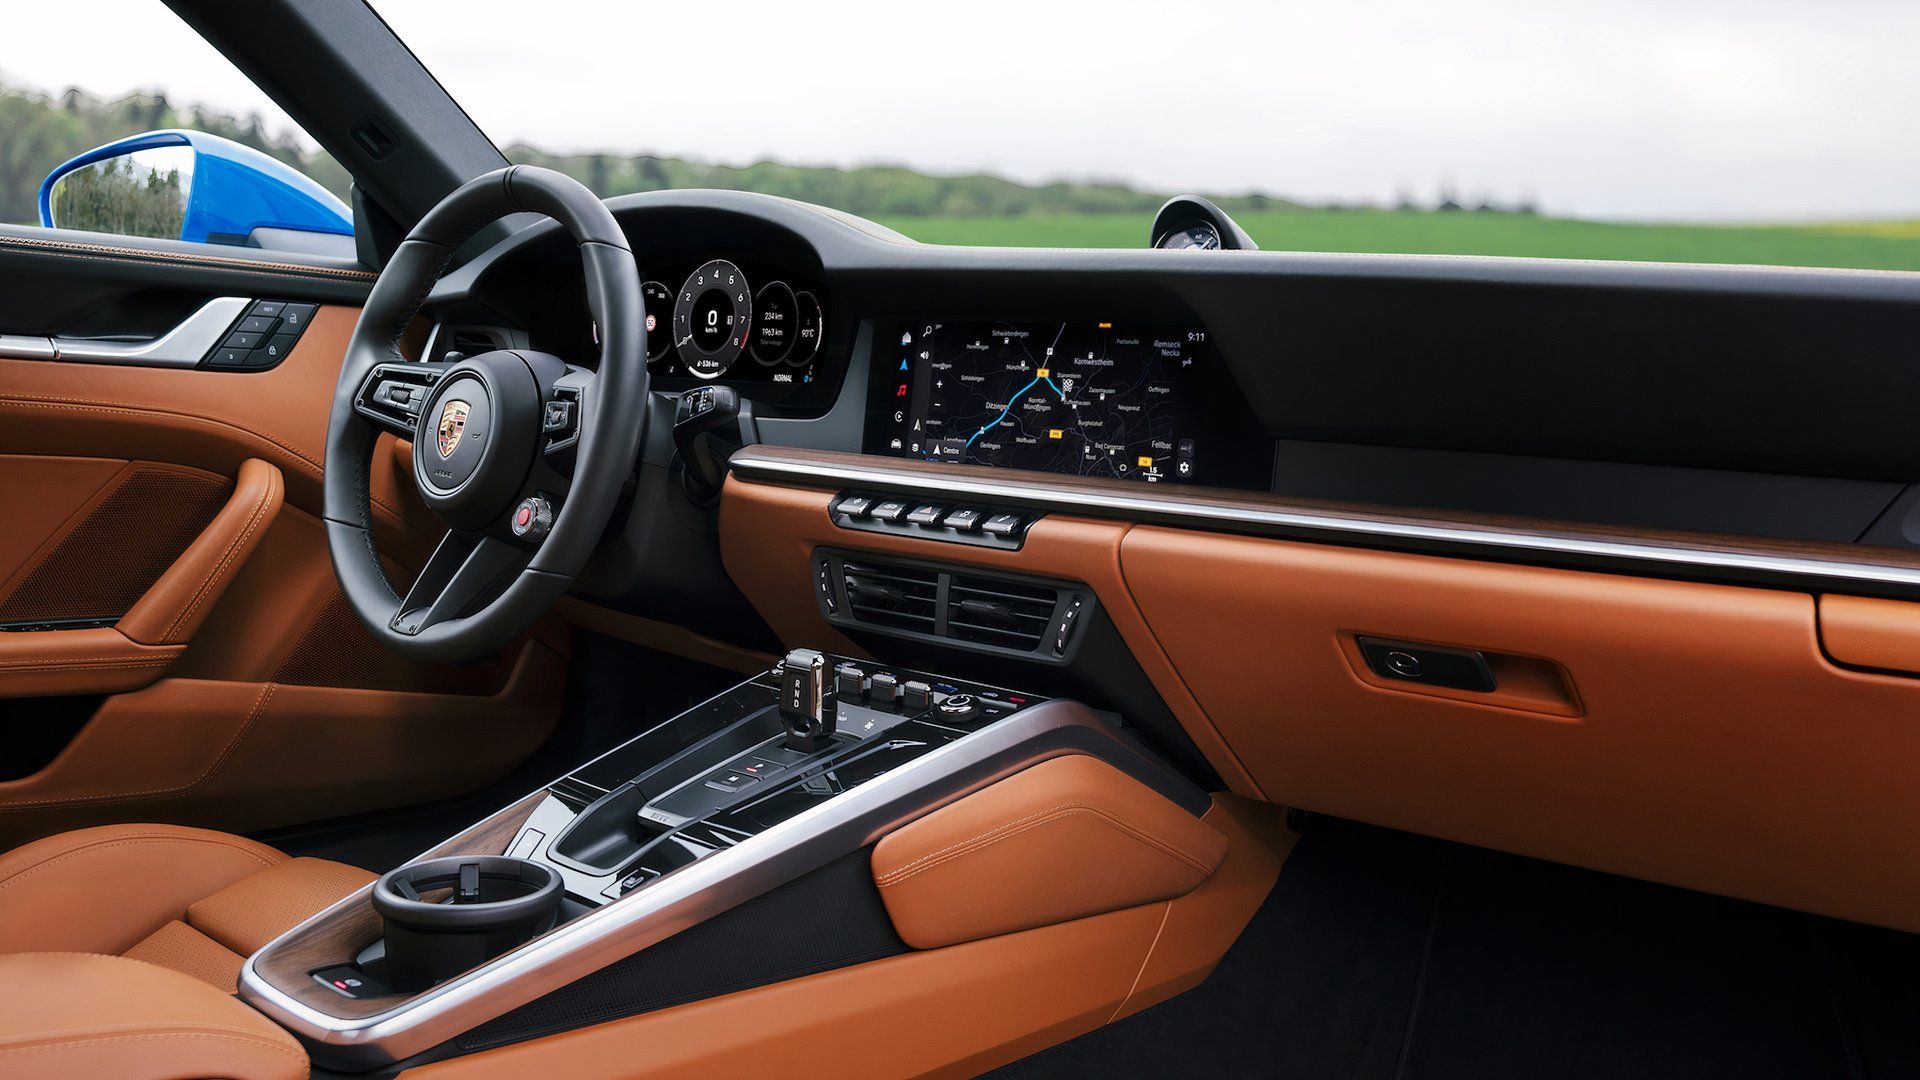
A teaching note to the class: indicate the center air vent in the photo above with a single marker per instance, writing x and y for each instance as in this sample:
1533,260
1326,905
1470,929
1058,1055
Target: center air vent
903,597
996,611
965,608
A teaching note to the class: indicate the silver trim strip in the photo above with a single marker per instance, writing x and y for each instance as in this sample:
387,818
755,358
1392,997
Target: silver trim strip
699,891
1199,511
27,347
183,346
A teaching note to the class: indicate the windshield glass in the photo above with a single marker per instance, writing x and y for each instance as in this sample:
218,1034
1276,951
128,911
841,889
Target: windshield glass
1750,131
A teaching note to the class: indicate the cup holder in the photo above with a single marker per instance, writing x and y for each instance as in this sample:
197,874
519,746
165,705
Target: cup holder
446,916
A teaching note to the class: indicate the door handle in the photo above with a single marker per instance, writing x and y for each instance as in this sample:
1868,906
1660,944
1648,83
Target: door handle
136,650
185,345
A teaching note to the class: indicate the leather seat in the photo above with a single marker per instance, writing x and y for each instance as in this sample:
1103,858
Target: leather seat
193,900
73,1015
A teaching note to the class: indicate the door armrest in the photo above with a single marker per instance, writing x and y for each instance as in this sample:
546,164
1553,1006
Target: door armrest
145,641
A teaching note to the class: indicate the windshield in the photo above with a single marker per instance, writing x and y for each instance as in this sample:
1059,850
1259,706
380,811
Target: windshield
1744,131
1717,130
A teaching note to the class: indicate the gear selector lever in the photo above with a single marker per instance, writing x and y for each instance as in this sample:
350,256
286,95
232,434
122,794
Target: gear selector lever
806,700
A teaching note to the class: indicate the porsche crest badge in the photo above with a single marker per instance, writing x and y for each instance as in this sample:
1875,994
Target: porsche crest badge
453,423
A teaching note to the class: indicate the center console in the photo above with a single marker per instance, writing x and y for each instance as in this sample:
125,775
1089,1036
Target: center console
783,775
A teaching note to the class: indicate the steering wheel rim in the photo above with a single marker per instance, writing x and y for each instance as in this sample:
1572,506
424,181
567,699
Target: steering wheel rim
456,608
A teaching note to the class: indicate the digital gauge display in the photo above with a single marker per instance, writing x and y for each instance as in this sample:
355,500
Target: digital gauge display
1093,399
711,318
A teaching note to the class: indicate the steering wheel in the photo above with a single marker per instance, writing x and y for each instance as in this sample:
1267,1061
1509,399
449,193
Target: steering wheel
521,455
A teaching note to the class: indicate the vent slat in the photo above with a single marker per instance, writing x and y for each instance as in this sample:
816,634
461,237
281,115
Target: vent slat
991,611
978,609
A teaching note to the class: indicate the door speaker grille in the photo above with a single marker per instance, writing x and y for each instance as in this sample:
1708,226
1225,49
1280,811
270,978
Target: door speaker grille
119,550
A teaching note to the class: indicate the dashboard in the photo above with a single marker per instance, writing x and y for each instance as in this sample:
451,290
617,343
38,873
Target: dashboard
1516,387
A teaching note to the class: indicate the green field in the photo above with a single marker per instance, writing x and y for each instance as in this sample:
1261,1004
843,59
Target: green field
1868,245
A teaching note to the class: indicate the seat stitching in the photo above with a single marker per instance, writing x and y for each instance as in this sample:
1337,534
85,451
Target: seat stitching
129,841
251,1039
134,1026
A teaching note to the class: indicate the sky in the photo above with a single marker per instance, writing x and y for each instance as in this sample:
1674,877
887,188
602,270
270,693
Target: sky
1705,110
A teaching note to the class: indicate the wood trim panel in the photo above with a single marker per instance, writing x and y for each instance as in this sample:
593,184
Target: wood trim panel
337,934
1807,565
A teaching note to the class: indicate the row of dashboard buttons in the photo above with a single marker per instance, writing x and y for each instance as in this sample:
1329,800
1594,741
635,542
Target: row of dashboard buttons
932,520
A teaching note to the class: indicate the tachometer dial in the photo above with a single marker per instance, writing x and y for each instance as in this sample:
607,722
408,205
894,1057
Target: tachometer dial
711,318
774,319
659,301
810,328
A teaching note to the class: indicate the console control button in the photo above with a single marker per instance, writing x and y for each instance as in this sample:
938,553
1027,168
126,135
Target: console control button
965,519
916,696
927,514
889,510
855,506
757,767
957,708
1006,525
633,881
849,682
349,981
731,780
885,689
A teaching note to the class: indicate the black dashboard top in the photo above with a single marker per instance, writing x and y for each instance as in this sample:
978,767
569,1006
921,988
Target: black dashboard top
1720,367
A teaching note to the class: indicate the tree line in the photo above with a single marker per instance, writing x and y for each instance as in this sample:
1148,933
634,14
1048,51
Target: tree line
39,131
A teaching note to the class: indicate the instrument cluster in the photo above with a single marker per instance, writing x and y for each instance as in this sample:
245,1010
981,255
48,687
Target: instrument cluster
719,320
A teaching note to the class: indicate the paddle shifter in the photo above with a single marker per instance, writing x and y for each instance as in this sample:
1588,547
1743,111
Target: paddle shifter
806,700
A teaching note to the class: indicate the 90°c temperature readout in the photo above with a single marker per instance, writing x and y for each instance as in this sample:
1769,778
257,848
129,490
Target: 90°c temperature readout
1092,399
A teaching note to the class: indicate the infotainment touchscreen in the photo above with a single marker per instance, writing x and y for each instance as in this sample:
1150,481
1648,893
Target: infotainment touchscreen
1096,399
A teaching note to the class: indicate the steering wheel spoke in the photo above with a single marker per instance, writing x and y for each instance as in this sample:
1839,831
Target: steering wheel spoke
391,395
464,571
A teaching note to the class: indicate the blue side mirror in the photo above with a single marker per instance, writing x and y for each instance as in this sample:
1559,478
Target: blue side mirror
190,185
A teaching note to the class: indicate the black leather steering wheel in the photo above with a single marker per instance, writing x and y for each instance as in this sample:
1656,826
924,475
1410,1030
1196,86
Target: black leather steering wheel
520,454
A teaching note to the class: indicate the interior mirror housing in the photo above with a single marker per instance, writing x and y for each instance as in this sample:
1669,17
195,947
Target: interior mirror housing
189,185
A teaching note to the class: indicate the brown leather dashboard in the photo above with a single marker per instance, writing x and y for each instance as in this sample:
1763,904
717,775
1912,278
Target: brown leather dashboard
1681,731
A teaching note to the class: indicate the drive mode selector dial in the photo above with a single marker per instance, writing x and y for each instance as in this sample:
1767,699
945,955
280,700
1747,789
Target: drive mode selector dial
712,317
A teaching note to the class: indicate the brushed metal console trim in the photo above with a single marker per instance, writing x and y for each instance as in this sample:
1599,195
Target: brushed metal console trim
1218,510
183,346
701,890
